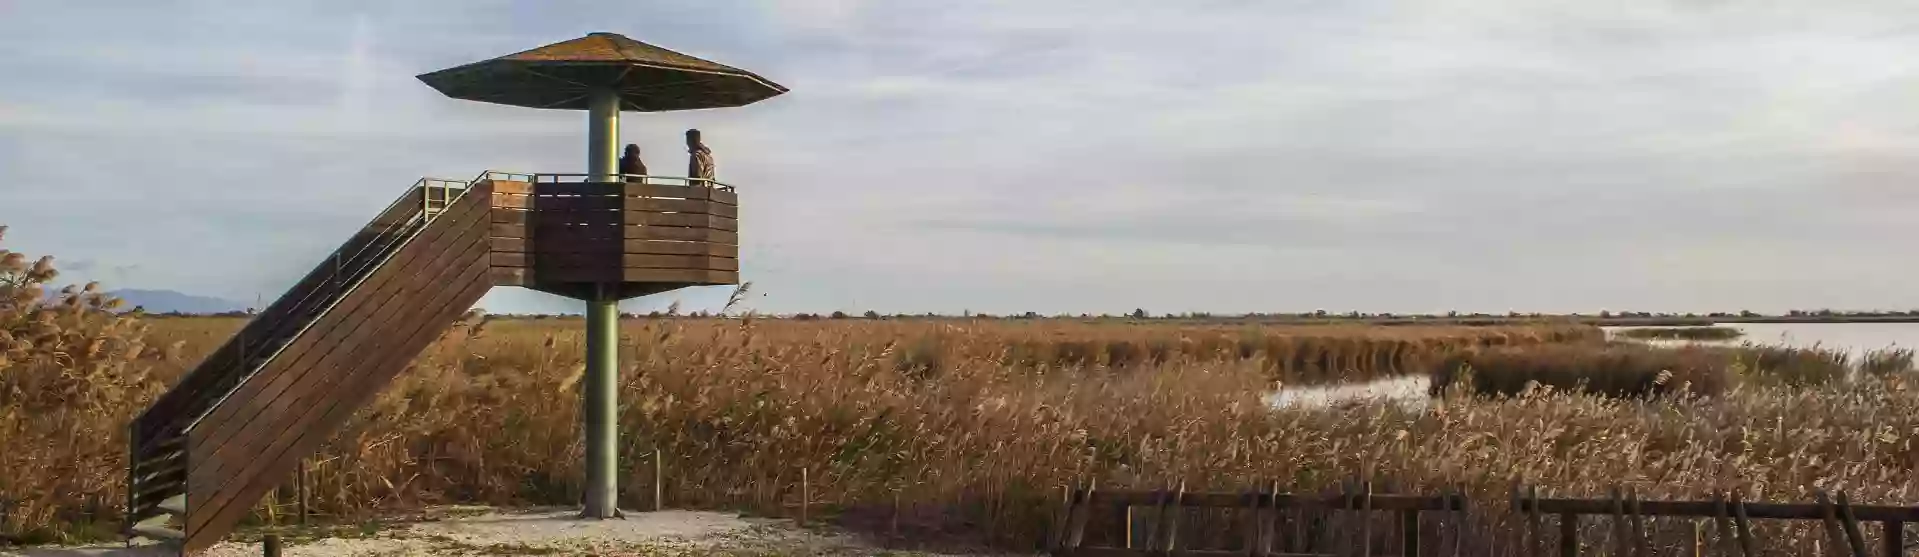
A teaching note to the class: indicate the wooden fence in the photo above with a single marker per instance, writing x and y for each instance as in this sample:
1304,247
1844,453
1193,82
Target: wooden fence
1731,519
1269,523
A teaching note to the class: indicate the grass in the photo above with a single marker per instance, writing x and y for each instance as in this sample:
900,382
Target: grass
974,425
1681,333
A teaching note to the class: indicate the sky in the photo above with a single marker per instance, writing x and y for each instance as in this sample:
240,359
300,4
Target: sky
1224,156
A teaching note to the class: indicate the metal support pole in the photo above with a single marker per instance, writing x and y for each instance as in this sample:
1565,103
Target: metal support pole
600,404
603,135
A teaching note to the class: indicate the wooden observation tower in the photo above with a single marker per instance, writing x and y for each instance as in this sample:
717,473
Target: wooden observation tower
206,451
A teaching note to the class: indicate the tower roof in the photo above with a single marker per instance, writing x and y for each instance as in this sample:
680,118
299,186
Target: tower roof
560,75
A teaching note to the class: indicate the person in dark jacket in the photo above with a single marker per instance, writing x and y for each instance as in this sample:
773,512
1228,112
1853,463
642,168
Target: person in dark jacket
630,164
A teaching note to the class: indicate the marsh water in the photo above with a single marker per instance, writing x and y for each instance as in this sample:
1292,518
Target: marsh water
1853,338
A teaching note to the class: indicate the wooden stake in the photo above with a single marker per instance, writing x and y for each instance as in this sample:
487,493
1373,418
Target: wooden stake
302,490
659,481
271,545
806,491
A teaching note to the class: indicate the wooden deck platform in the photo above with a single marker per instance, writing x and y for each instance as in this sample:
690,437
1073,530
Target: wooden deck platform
568,238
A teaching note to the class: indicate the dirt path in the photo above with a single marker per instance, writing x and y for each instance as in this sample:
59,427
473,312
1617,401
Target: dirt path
537,532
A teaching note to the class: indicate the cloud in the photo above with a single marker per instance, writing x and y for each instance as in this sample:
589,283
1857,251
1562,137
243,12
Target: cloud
1047,156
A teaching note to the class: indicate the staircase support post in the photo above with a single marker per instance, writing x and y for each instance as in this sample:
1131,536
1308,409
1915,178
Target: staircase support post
600,404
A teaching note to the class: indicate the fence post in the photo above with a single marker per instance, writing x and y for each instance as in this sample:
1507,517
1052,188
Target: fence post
1409,533
806,493
1621,532
1855,540
1742,525
271,545
1639,548
1895,538
1568,535
1535,532
1366,518
659,480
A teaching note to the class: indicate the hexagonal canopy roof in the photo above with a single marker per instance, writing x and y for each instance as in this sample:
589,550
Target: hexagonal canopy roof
560,75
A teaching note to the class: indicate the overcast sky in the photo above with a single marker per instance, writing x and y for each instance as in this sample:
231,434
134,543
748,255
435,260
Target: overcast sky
1034,155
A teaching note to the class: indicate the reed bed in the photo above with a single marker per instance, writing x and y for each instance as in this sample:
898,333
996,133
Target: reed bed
976,433
1627,369
489,415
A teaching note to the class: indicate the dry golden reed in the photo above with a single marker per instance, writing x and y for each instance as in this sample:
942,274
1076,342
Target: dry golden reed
970,423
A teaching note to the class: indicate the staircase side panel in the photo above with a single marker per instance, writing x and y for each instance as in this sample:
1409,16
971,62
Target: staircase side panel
273,465
196,385
263,394
368,337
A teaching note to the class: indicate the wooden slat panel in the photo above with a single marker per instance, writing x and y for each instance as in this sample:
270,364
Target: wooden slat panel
510,276
611,202
216,482
322,382
660,247
591,188
291,376
389,361
627,188
262,390
616,260
507,186
570,234
218,447
625,218
521,275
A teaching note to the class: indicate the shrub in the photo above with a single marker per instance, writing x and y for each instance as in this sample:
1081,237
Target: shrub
72,372
1885,362
1795,366
1616,370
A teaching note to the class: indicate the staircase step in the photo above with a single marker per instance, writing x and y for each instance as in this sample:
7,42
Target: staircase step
158,533
176,504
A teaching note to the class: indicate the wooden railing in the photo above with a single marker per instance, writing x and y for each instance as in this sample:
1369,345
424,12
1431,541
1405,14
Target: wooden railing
1731,518
1269,523
1260,520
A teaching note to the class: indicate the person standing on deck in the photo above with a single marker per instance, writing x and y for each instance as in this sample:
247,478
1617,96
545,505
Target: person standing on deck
699,165
630,165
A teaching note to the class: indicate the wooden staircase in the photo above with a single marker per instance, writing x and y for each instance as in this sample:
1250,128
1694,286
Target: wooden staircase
207,450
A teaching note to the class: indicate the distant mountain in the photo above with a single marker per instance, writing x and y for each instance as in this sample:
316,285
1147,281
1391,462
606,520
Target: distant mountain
164,301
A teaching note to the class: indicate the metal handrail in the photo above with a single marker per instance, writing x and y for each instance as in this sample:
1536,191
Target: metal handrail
444,186
342,294
292,308
555,178
504,175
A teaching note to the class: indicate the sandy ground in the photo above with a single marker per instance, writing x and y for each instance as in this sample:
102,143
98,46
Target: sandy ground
542,532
